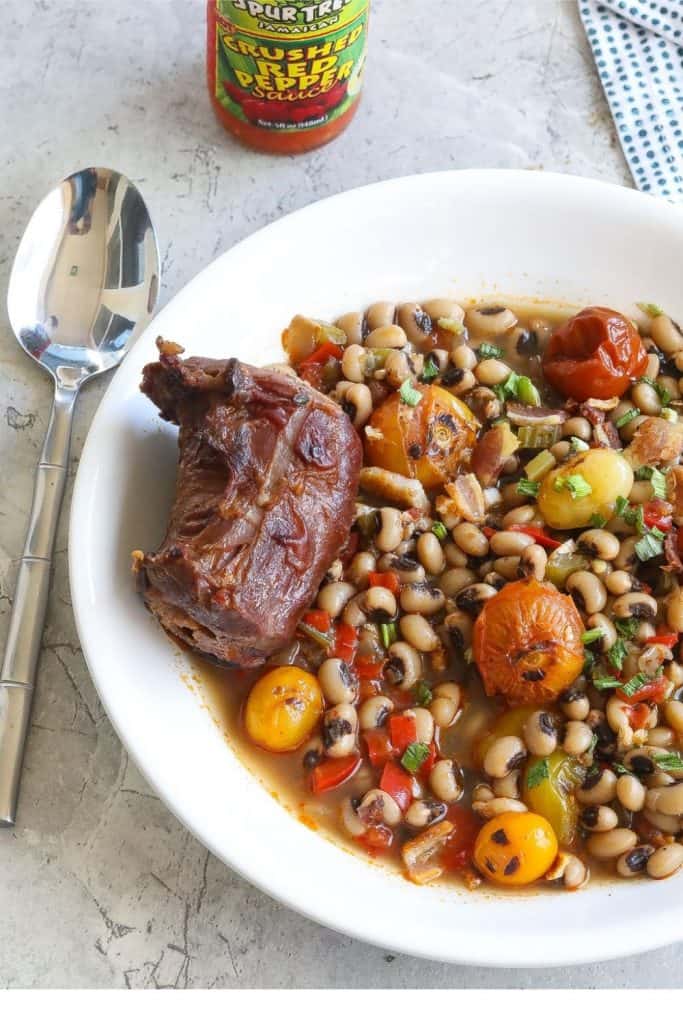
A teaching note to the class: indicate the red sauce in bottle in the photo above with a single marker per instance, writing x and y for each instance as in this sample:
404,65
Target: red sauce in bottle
285,77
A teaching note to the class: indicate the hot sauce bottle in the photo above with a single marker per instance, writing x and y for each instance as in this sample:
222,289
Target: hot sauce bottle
286,77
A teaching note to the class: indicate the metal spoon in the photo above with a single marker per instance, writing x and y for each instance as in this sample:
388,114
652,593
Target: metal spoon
84,283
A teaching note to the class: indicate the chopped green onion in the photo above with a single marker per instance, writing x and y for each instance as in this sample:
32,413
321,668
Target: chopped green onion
322,639
529,488
430,370
537,773
650,308
663,393
450,325
620,769
540,465
634,684
588,661
668,762
388,633
617,655
598,521
575,483
487,351
650,545
577,445
627,628
605,683
656,478
669,414
591,635
620,506
409,394
439,530
632,414
415,756
538,436
527,392
422,694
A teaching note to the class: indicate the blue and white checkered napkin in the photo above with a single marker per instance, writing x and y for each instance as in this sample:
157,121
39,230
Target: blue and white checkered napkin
638,49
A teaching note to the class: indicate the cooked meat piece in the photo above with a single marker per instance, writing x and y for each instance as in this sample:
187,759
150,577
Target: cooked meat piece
655,441
265,498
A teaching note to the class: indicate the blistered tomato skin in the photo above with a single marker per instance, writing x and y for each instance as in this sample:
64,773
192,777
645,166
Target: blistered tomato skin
516,848
283,708
429,441
596,354
527,643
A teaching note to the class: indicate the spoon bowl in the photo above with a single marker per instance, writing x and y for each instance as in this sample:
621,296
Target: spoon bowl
86,275
83,285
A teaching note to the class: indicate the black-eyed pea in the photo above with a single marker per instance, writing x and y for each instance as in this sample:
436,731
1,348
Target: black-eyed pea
674,610
444,309
665,861
588,591
472,599
362,564
391,529
577,426
489,321
619,582
424,724
532,562
471,540
609,631
646,399
459,626
421,597
459,382
666,334
425,812
509,542
373,712
540,733
380,314
446,781
417,631
612,844
575,705
508,786
666,799
670,824
507,566
397,368
380,604
349,817
357,404
578,738
353,363
462,357
498,805
570,869
455,556
630,793
503,756
340,725
352,326
598,543
598,787
634,861
338,682
482,793
404,665
416,323
454,580
660,736
333,597
378,806
430,553
636,605
390,336
598,818
673,712
491,372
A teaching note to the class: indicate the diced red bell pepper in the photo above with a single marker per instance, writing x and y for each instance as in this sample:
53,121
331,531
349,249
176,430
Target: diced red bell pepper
665,639
368,669
380,749
368,688
333,772
398,784
459,847
653,691
345,642
389,580
429,761
657,513
638,716
320,355
403,732
540,536
401,699
376,838
318,619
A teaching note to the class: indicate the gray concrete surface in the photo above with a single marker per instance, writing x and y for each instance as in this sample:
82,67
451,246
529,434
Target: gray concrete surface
99,885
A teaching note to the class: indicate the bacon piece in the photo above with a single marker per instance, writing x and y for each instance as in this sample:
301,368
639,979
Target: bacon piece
534,415
464,498
491,452
656,441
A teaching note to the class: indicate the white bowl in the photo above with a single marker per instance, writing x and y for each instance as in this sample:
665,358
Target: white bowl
455,233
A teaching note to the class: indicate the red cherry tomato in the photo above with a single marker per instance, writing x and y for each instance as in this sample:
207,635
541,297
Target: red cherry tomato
594,355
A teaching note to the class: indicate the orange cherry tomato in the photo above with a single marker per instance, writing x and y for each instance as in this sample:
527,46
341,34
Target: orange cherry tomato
428,441
596,354
515,848
527,642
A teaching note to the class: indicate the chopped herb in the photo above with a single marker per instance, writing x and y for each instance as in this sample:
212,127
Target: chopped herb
650,545
415,756
598,521
656,478
301,398
439,530
537,773
650,308
576,484
663,393
540,465
669,414
430,370
620,769
605,683
521,388
487,351
591,635
617,655
626,628
634,684
422,694
620,506
446,323
632,414
408,394
668,762
577,445
529,488
388,633
322,639
588,661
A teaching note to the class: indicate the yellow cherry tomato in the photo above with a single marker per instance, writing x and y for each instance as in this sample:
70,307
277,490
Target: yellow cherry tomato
515,848
428,441
283,708
600,476
553,796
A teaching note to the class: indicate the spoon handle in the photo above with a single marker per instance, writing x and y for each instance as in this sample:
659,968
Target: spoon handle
30,601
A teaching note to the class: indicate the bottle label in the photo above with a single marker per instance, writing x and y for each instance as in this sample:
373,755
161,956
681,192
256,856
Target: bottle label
290,66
